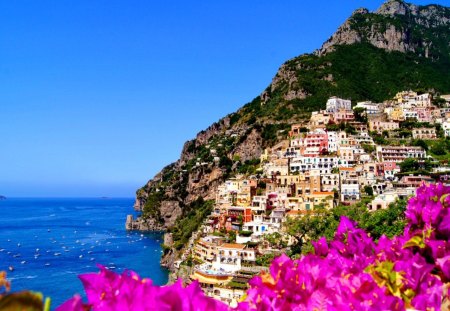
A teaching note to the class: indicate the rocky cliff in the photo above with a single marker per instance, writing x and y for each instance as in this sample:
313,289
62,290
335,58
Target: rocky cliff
370,57
396,26
203,164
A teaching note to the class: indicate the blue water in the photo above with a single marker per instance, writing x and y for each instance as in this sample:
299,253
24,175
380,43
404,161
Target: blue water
49,242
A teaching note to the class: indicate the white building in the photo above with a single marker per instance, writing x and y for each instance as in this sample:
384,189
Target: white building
230,256
382,201
332,142
335,104
363,138
350,190
329,182
323,165
271,168
257,227
371,108
347,153
446,128
423,100
259,203
399,153
410,114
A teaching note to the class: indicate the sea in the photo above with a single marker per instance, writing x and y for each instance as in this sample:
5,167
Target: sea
48,242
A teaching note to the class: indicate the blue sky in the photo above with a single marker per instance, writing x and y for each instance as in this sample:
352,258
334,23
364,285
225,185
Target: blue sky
97,96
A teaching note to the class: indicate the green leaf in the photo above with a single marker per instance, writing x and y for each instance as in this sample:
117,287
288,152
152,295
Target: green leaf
415,241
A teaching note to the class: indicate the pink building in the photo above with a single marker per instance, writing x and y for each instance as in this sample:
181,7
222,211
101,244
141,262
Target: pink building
316,143
343,116
312,145
423,114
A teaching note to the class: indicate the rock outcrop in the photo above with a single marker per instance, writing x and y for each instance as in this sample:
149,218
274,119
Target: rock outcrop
194,175
395,26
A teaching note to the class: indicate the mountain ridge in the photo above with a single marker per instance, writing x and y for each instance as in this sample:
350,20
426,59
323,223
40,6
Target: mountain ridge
387,33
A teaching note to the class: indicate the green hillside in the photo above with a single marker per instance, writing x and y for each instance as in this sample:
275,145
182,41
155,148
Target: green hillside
360,72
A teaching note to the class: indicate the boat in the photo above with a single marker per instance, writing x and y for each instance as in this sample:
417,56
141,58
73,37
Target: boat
11,268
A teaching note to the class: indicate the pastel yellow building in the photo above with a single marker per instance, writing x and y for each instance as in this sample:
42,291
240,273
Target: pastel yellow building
324,198
397,114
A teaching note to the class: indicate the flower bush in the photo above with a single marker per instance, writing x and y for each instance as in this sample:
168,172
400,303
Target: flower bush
110,291
350,272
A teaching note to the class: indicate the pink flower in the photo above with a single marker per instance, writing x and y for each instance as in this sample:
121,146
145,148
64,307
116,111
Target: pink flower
73,304
352,272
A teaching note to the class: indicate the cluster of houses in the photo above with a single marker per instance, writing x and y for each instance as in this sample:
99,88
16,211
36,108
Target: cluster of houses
315,167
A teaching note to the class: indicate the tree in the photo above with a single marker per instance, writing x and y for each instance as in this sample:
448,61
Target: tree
350,129
318,223
332,127
420,143
368,190
368,148
360,114
404,133
379,140
275,240
409,165
231,236
439,130
439,101
310,227
324,151
265,260
438,149
390,221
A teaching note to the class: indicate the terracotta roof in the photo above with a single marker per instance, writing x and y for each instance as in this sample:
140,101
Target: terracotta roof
346,169
323,193
232,245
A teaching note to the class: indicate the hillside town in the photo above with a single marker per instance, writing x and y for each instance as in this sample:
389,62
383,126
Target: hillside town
379,151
